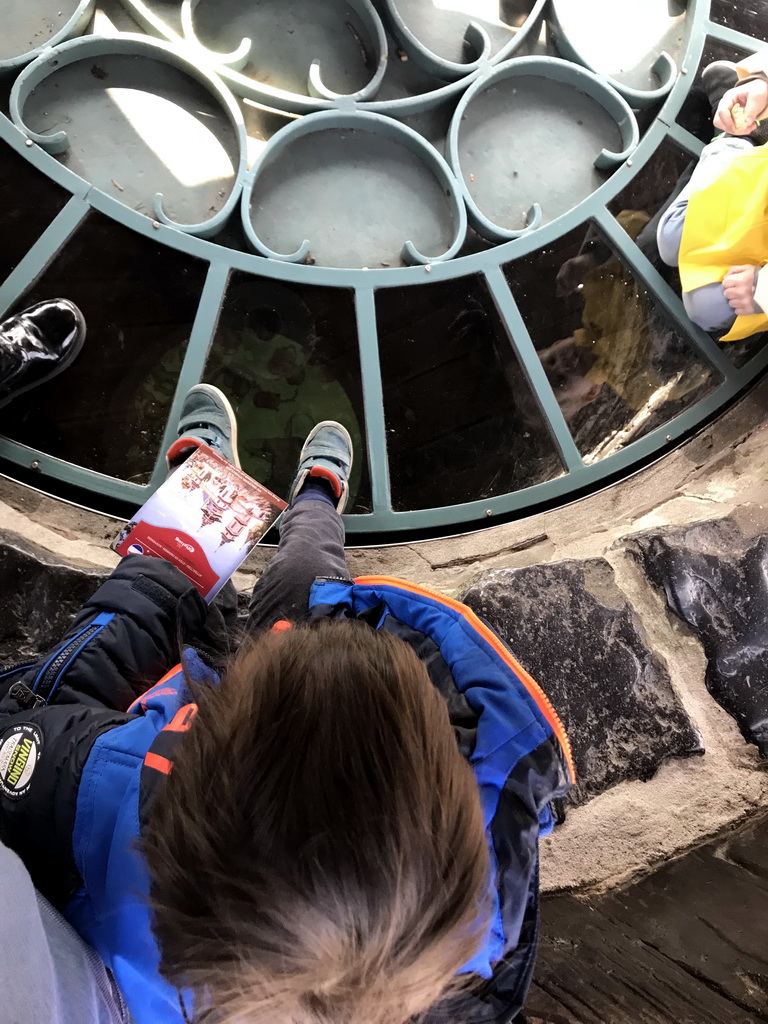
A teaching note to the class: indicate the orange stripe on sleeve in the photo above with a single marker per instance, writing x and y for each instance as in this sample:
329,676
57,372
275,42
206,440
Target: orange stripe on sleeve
168,675
160,764
183,719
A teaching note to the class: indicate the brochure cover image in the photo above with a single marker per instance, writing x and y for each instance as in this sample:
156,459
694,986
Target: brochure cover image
204,519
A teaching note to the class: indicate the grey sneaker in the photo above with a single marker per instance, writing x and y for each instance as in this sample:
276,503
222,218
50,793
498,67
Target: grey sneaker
206,417
327,454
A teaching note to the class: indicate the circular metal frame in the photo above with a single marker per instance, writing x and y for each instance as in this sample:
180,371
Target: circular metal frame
383,521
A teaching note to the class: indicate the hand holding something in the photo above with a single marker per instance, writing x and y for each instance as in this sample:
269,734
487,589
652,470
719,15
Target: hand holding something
752,97
739,289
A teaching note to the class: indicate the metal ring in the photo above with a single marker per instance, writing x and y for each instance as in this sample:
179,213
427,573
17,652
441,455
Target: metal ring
558,70
75,26
356,120
52,60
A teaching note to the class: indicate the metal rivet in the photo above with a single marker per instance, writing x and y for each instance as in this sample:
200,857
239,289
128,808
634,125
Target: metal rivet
683,71
427,267
155,223
669,437
29,142
34,464
629,162
489,511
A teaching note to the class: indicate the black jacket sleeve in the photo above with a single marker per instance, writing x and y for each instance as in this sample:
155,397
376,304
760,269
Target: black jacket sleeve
125,638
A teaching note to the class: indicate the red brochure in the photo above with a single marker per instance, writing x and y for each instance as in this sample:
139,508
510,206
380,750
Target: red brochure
204,519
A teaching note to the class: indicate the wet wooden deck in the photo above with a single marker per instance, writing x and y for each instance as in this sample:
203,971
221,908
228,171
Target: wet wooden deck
686,945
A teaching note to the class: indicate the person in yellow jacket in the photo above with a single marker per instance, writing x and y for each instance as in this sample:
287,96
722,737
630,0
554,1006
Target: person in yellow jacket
716,230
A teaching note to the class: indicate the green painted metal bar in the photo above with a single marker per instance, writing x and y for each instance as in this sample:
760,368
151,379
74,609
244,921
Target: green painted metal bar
696,16
200,338
66,472
530,363
685,139
739,40
222,260
373,400
332,276
32,265
640,265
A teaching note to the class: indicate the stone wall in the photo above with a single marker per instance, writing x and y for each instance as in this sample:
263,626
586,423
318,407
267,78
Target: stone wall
640,610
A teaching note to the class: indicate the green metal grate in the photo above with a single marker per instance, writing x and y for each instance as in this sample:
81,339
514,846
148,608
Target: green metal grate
479,381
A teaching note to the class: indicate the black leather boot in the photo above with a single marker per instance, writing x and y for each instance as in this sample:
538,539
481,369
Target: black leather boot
37,344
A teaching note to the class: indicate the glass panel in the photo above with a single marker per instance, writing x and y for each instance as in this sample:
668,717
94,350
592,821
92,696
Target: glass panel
747,16
647,193
287,357
618,366
696,113
108,411
740,352
654,182
28,204
462,423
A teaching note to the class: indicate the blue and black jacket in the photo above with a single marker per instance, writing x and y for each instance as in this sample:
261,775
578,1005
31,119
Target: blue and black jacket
85,746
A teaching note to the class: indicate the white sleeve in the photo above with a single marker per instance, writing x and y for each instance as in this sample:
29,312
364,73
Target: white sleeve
761,289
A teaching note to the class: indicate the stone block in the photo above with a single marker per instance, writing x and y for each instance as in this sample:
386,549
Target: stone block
39,596
716,580
574,630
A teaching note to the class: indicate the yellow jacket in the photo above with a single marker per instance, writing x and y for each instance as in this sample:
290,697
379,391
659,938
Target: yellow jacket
726,224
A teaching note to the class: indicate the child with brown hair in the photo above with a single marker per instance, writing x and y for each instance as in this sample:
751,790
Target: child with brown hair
341,829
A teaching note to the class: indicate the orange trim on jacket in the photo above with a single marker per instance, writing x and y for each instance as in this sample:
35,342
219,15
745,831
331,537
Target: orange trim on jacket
542,700
141,700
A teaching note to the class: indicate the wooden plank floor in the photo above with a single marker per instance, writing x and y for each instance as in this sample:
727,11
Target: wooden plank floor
686,945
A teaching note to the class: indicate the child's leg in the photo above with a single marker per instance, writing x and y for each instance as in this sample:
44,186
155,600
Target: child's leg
715,157
311,530
311,545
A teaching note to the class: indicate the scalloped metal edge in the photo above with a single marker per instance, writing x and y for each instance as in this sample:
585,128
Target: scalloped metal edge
53,59
369,21
227,65
554,68
76,25
356,120
475,36
294,103
664,67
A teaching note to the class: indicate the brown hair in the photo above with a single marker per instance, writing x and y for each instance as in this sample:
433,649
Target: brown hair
318,855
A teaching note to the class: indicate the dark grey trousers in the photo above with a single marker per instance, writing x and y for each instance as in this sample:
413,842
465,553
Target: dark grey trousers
311,544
